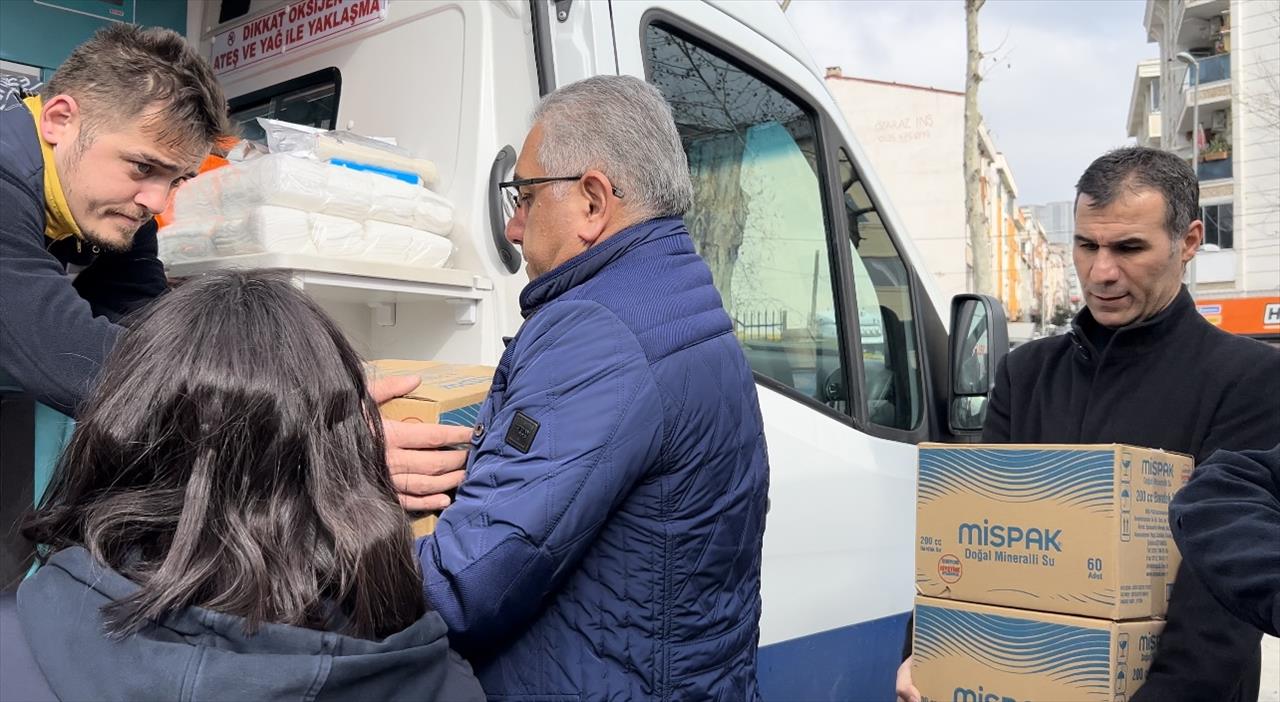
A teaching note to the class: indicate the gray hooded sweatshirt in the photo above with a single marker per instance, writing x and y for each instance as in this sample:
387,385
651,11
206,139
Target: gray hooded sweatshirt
197,654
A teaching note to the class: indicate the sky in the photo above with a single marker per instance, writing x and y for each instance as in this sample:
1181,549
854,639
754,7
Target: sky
1058,97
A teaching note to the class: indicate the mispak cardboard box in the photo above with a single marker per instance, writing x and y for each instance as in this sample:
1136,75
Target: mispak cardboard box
1071,529
450,393
964,652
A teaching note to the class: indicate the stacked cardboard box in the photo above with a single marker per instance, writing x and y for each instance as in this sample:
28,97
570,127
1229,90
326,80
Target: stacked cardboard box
1042,571
449,394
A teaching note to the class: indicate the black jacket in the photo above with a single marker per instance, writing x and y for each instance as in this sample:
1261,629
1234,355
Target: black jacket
1227,524
1173,382
53,648
55,333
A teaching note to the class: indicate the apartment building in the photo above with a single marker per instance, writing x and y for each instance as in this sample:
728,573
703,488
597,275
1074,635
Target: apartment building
1217,83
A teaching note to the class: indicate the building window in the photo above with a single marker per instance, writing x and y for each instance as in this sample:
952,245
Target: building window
1217,224
757,217
310,100
1155,95
886,323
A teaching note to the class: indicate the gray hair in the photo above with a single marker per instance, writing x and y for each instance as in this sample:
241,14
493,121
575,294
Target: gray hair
623,127
1133,168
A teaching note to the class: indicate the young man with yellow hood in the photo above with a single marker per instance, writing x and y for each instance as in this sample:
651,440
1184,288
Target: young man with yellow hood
84,167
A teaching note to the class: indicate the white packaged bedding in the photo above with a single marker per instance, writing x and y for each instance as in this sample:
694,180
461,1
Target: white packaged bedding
272,229
283,180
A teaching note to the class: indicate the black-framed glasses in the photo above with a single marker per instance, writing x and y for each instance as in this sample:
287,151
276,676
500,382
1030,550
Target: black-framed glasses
511,190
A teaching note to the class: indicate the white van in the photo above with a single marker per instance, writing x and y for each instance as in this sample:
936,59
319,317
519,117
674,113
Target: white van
846,335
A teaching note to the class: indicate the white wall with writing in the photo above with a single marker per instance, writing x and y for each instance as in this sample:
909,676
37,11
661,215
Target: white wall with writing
913,137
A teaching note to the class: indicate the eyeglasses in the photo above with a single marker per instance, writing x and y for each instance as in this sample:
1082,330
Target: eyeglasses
511,189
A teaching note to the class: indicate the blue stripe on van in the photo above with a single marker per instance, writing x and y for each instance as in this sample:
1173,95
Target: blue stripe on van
858,662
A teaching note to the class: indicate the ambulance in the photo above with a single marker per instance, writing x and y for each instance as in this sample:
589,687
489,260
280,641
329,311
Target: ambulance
846,332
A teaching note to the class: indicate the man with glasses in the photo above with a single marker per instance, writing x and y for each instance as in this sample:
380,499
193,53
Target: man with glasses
606,541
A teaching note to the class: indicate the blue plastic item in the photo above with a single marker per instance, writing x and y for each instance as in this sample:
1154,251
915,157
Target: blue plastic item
53,431
406,176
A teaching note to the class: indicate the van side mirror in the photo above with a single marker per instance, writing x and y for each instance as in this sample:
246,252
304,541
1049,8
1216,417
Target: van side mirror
979,340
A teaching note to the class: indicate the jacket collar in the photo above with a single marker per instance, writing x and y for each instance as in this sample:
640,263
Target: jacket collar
1134,339
589,263
59,223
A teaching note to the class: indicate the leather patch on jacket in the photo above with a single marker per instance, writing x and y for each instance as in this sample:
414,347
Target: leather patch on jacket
523,429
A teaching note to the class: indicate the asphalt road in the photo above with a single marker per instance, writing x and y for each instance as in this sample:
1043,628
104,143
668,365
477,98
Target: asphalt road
1270,670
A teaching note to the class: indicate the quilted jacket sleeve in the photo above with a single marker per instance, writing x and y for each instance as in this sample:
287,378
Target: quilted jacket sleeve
529,508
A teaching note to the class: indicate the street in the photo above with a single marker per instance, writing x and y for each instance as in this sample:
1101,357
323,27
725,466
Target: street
1270,691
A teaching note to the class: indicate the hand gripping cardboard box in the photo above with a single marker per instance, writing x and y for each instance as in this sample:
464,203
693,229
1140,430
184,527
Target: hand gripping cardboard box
1071,529
964,652
450,393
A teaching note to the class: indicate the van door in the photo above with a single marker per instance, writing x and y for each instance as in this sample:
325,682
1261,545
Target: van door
572,41
827,322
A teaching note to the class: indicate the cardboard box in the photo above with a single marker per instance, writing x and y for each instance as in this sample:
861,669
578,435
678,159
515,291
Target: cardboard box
1070,529
449,394
965,652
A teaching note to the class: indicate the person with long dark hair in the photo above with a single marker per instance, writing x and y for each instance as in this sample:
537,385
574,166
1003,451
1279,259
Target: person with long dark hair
222,524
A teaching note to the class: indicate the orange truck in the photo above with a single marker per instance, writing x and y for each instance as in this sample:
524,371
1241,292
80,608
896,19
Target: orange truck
1257,316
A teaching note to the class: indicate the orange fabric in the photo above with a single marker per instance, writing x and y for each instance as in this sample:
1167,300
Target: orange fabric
210,162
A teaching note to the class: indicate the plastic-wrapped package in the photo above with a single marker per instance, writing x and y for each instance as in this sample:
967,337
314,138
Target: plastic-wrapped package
338,237
302,140
267,228
272,229
345,198
188,241
303,184
394,243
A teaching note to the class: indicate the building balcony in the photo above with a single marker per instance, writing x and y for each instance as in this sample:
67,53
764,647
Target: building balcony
1204,9
1218,169
1209,98
1191,17
1212,70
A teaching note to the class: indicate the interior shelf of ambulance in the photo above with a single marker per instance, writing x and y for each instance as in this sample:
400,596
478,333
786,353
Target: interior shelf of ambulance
377,284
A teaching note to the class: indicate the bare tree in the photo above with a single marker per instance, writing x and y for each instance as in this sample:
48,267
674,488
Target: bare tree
1264,104
975,212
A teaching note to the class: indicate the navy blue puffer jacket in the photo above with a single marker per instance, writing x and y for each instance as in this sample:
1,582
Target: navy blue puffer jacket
605,544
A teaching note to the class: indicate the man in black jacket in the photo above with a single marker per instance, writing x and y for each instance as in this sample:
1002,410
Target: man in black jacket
84,167
1227,524
1141,366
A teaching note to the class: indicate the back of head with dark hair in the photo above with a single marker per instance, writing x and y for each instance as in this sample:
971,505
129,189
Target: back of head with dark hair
125,70
231,458
1135,168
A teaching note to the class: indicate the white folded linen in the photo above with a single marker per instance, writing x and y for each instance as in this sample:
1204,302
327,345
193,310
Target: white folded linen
303,184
